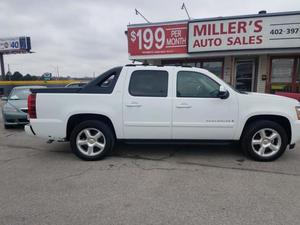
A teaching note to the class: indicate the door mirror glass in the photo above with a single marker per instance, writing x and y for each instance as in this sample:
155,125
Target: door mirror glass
223,93
4,98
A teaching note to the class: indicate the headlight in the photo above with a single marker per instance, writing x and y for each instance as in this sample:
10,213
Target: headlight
9,108
298,112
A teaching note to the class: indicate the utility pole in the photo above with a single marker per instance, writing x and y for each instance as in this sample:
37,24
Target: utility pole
8,71
57,72
2,66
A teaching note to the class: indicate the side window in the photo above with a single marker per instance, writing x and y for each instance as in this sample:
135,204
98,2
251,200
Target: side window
196,85
149,83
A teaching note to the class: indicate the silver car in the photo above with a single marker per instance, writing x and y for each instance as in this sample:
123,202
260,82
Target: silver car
14,111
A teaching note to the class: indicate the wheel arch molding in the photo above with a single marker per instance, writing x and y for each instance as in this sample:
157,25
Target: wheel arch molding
75,119
280,119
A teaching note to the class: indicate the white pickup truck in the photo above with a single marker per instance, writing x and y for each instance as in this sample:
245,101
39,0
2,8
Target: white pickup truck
165,103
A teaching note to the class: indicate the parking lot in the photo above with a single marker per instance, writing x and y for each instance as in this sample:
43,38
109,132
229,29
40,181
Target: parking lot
44,183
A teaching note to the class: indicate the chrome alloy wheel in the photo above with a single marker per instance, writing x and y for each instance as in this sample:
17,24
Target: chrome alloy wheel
90,141
266,142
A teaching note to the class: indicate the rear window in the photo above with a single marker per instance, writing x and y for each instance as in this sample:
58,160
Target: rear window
149,83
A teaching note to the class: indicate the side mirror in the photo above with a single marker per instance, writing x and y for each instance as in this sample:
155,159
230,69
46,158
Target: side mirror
223,93
4,99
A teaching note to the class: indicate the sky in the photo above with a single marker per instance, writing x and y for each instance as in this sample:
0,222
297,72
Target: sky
83,37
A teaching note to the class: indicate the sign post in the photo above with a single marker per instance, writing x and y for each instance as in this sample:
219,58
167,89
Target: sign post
2,66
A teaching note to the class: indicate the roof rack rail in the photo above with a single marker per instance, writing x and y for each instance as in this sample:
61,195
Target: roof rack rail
141,65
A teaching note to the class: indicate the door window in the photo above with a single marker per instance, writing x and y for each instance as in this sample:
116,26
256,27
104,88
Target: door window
298,71
281,74
196,85
282,70
216,67
149,83
244,75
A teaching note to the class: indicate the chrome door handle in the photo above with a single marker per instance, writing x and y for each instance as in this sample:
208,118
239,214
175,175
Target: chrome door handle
133,104
183,105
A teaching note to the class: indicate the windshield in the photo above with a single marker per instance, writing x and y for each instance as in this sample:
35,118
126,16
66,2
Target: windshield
19,94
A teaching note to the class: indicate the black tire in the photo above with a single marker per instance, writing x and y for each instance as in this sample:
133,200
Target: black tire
252,129
107,132
8,126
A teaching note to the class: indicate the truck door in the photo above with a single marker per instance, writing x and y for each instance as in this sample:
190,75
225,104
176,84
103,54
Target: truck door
198,112
147,104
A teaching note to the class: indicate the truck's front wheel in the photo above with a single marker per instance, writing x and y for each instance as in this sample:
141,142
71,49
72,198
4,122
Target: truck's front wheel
92,140
264,140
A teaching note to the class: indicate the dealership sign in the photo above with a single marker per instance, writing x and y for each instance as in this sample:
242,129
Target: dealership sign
163,39
15,45
271,32
179,39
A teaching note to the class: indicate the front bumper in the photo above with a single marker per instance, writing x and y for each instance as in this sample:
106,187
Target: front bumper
15,118
295,132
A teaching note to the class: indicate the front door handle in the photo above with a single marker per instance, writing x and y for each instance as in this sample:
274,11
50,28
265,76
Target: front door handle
133,104
183,105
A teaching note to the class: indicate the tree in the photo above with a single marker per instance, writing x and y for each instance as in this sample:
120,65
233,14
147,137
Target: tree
27,77
33,77
17,76
8,75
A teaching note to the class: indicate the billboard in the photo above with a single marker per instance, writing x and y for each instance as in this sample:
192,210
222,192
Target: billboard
269,32
163,39
15,45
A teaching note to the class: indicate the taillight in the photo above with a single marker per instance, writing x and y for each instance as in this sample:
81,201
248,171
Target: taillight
32,106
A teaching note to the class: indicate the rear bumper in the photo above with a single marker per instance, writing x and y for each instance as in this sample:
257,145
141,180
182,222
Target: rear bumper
29,130
15,118
48,129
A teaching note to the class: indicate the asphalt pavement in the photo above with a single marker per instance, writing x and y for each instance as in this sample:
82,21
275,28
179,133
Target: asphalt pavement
44,183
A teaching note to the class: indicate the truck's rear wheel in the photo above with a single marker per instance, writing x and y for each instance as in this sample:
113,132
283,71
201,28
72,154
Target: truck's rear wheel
92,140
264,140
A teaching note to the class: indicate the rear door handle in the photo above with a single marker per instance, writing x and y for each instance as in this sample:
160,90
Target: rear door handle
183,105
133,104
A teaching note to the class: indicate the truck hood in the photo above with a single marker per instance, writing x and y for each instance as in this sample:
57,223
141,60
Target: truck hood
271,97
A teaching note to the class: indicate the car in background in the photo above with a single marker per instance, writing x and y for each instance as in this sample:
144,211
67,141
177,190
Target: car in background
14,111
76,84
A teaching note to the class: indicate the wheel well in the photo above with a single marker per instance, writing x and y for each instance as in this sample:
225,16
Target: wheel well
78,118
283,121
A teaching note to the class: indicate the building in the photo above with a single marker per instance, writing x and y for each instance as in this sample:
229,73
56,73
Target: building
259,52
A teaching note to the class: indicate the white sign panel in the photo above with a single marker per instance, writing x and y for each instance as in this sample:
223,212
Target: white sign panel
15,45
243,34
10,44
